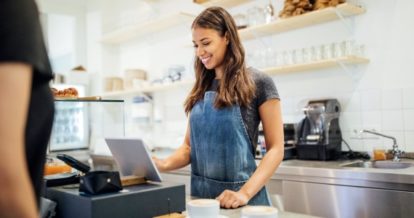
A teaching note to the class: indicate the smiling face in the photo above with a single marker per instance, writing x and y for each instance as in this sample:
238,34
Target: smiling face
210,48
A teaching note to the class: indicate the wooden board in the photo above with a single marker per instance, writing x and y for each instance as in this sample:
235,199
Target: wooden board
316,65
86,98
132,180
270,70
300,21
150,89
224,3
172,215
140,29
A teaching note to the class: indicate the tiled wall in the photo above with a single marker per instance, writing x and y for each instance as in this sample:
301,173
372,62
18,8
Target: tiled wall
385,111
379,95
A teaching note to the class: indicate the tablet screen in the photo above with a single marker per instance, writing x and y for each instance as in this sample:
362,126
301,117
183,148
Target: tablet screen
133,158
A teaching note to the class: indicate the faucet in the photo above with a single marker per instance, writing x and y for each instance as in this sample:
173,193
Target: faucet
395,151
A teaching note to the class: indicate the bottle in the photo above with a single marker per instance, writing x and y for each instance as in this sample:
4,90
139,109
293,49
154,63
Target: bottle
269,12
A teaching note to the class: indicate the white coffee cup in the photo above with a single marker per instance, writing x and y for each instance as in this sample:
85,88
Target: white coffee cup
259,212
203,208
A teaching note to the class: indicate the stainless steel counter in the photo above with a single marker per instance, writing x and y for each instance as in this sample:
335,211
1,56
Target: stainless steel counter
333,172
236,213
328,189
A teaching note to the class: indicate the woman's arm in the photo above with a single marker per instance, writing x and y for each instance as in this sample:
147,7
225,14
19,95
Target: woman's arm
17,196
271,116
180,158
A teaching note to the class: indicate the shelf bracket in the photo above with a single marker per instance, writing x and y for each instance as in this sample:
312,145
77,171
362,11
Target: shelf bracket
261,39
349,26
147,97
348,70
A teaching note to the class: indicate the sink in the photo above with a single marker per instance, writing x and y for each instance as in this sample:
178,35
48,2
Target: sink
379,164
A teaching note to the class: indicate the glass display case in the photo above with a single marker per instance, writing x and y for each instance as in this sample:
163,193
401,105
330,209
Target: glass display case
84,124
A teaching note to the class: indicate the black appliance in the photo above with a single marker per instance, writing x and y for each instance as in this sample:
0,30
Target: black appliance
318,134
145,200
290,141
289,131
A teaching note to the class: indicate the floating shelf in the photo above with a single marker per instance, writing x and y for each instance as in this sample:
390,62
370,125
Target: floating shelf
224,3
271,71
316,65
86,100
127,33
149,89
300,21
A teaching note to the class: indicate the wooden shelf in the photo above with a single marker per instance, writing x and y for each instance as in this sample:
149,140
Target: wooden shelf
224,3
323,64
132,31
317,65
149,89
300,21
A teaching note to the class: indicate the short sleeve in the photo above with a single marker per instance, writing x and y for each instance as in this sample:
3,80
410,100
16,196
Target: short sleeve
21,37
265,88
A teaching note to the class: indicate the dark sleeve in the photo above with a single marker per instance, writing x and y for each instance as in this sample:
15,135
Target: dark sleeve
265,88
21,38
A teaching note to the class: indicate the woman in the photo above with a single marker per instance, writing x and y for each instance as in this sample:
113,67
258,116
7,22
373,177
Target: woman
225,107
26,108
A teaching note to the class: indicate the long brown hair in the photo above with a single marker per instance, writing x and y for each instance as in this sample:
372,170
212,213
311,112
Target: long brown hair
237,85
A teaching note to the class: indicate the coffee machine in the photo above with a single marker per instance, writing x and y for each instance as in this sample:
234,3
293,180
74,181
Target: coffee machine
289,130
318,134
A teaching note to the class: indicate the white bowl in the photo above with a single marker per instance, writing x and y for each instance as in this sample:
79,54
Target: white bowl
203,208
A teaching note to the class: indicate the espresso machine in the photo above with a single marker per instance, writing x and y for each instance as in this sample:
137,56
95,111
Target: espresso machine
318,134
289,131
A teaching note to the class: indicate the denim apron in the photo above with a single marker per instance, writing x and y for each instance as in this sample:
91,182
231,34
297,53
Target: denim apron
222,155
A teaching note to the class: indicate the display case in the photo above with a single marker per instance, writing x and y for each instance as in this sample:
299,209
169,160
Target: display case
84,124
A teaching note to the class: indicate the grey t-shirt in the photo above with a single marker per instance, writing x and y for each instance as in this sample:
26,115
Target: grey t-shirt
265,90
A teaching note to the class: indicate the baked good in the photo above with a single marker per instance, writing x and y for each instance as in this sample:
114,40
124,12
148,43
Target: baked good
321,4
295,7
65,93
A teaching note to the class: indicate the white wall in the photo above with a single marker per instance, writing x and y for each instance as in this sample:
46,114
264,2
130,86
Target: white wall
379,95
75,9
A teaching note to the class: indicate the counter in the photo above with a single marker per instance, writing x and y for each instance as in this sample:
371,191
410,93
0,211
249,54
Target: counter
333,172
328,189
347,175
235,213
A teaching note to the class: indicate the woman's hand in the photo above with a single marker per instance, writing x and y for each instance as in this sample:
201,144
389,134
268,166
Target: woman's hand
231,199
160,164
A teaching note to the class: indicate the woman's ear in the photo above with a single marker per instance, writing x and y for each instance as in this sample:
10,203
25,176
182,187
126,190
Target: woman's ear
226,36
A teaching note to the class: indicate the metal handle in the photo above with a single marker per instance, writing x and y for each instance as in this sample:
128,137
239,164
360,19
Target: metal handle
395,151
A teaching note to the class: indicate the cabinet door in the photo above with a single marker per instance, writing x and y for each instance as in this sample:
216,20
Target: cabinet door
346,201
178,178
275,189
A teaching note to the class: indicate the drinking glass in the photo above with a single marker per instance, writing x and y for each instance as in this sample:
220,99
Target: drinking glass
316,53
348,47
338,50
279,59
379,153
261,58
287,57
269,57
359,50
297,56
251,59
327,51
307,56
255,16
